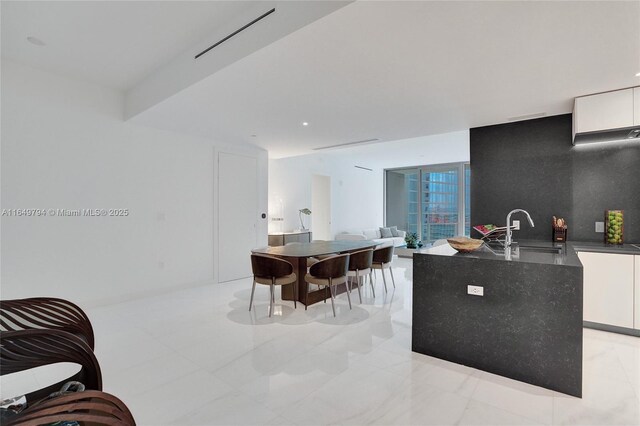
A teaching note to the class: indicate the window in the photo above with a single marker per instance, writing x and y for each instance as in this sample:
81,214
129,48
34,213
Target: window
432,201
467,200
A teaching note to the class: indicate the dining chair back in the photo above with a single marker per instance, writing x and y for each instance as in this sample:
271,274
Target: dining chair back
272,271
359,267
329,272
382,259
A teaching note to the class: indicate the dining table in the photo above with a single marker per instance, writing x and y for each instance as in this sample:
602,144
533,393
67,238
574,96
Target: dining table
297,254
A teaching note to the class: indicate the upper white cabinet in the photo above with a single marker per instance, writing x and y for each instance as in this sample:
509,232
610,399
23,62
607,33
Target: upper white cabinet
604,111
636,106
609,288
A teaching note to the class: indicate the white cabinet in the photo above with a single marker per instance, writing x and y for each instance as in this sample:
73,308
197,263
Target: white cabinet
636,106
637,291
610,110
609,288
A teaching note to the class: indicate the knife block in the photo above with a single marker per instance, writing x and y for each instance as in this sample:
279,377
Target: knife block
559,235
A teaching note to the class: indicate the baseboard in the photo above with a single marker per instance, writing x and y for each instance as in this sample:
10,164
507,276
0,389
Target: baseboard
611,328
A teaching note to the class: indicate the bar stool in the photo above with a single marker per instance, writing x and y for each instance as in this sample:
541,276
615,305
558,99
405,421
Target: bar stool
359,267
382,259
272,271
329,272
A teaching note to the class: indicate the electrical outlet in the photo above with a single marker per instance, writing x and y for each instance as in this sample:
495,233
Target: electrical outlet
475,290
516,224
600,227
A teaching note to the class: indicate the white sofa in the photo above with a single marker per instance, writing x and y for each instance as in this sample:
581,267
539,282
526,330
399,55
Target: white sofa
373,234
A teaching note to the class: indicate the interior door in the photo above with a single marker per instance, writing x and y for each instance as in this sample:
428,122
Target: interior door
237,215
321,207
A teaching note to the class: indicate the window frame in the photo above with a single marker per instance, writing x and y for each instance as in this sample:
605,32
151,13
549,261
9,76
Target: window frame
461,167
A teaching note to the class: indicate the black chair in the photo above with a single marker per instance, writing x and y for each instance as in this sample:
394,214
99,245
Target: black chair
25,349
46,313
382,259
359,267
329,272
87,407
271,271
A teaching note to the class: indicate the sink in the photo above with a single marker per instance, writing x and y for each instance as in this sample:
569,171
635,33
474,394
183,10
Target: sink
552,250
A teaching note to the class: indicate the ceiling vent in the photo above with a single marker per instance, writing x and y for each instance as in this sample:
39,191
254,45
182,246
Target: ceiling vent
527,116
239,30
347,144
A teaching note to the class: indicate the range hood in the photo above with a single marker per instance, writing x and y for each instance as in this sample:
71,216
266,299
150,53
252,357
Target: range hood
607,117
612,135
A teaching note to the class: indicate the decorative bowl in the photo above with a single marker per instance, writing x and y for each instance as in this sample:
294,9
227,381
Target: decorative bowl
465,244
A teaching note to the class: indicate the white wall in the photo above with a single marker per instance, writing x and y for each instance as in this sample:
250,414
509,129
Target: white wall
65,146
355,202
357,195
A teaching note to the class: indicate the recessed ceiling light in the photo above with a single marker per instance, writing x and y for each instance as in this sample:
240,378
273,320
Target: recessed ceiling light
304,123
35,41
638,75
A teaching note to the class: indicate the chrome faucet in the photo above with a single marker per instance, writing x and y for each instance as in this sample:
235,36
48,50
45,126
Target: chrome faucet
509,239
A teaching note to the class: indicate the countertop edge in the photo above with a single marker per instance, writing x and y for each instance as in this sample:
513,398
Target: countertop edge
578,246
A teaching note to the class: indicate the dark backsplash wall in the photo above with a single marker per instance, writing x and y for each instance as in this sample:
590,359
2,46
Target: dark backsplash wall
532,165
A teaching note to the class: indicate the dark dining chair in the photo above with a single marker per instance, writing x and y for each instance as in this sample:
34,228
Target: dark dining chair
359,267
89,407
25,349
46,313
329,272
271,271
382,259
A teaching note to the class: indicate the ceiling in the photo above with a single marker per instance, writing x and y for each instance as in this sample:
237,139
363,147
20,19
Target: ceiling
388,70
394,70
111,43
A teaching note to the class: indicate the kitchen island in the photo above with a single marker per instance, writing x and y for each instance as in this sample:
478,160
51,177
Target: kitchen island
516,312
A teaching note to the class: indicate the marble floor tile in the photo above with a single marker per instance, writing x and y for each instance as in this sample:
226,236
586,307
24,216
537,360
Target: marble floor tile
145,377
172,402
231,409
429,406
603,400
197,356
518,398
478,413
268,359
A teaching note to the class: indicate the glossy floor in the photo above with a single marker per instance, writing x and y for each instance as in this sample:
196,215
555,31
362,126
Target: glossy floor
197,356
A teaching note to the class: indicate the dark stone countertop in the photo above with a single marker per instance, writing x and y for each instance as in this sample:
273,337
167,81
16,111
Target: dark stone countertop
606,248
526,325
526,251
534,251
